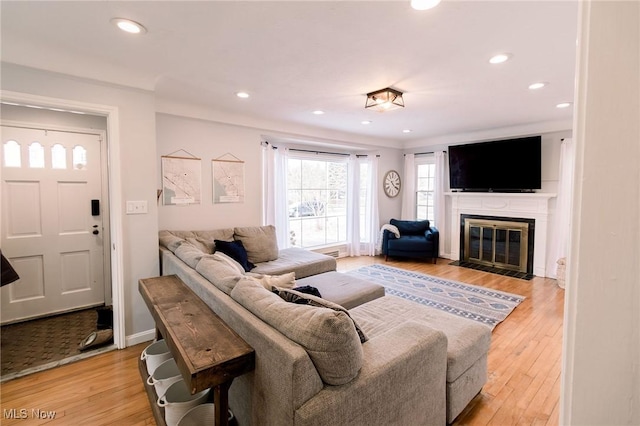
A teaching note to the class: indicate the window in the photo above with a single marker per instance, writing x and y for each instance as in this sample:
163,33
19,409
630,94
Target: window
36,156
425,186
58,157
317,201
79,157
12,156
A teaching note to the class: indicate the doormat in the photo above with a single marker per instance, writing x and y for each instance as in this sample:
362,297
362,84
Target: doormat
485,268
44,343
480,304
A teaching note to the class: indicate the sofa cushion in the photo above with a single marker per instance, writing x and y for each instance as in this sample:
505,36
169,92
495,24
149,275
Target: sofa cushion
169,240
300,298
189,253
303,262
287,280
219,271
329,336
410,227
345,290
467,341
236,251
410,243
206,246
259,241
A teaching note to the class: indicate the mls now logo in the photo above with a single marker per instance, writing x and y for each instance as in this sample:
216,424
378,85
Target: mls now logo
15,413
23,413
36,413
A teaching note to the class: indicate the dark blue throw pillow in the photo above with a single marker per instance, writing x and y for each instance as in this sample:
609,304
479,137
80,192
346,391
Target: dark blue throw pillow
236,251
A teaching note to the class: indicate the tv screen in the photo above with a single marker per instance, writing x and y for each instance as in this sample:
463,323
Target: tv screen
511,165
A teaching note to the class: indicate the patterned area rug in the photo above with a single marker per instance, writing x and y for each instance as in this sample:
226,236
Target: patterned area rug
480,304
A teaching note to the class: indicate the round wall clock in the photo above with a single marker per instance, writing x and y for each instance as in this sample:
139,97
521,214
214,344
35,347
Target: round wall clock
391,183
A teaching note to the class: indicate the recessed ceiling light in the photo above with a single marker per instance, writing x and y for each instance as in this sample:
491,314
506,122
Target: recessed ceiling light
406,131
243,95
366,122
536,86
424,4
318,112
563,105
502,57
129,26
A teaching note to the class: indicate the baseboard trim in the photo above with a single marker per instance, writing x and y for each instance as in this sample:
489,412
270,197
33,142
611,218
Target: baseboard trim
143,336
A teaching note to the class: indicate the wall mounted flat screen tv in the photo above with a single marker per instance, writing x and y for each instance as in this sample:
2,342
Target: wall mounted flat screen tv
512,165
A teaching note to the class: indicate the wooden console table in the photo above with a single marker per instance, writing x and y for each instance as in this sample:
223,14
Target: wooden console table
208,353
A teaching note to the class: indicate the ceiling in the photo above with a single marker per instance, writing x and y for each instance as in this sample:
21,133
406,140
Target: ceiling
294,57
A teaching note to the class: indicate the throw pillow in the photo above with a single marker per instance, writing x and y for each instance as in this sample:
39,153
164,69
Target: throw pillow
287,280
299,298
307,289
328,336
236,251
259,241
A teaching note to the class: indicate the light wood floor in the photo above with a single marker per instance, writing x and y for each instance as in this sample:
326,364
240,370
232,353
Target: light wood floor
524,366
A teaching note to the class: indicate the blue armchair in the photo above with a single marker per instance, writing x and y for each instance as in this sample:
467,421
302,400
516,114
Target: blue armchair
417,240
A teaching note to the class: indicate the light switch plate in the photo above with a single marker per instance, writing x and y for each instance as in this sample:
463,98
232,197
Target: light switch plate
137,207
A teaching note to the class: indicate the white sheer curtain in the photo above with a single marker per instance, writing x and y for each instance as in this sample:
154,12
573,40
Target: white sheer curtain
353,206
372,218
438,195
562,218
275,192
409,191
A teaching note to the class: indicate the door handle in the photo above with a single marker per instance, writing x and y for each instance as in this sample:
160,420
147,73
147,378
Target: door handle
95,230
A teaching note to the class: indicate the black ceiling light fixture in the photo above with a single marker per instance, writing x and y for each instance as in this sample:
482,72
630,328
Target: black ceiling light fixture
385,100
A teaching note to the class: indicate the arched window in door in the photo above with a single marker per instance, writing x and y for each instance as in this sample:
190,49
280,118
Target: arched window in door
12,156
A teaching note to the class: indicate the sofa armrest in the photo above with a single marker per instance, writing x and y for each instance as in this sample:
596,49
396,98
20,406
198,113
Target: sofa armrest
386,236
432,234
402,381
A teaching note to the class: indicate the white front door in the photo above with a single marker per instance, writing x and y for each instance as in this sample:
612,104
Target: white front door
50,232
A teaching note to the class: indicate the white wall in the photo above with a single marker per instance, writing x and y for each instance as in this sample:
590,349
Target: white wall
59,118
137,166
209,140
550,152
601,362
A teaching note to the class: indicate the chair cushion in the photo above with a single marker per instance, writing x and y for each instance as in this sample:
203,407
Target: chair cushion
410,227
410,243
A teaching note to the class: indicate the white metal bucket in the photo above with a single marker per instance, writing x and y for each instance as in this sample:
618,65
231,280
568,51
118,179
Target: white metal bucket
164,376
203,414
178,400
155,354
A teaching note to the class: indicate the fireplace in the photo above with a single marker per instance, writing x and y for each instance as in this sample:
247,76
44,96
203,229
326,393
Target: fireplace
498,242
503,206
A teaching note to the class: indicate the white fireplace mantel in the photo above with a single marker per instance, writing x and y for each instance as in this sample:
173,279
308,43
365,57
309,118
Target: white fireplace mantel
513,205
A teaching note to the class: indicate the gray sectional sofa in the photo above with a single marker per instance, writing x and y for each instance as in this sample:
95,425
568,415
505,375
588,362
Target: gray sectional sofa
354,357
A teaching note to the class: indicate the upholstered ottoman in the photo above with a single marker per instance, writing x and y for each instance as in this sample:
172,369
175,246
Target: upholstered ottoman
345,290
467,343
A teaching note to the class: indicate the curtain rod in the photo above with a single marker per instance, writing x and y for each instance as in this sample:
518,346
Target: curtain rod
424,153
319,152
